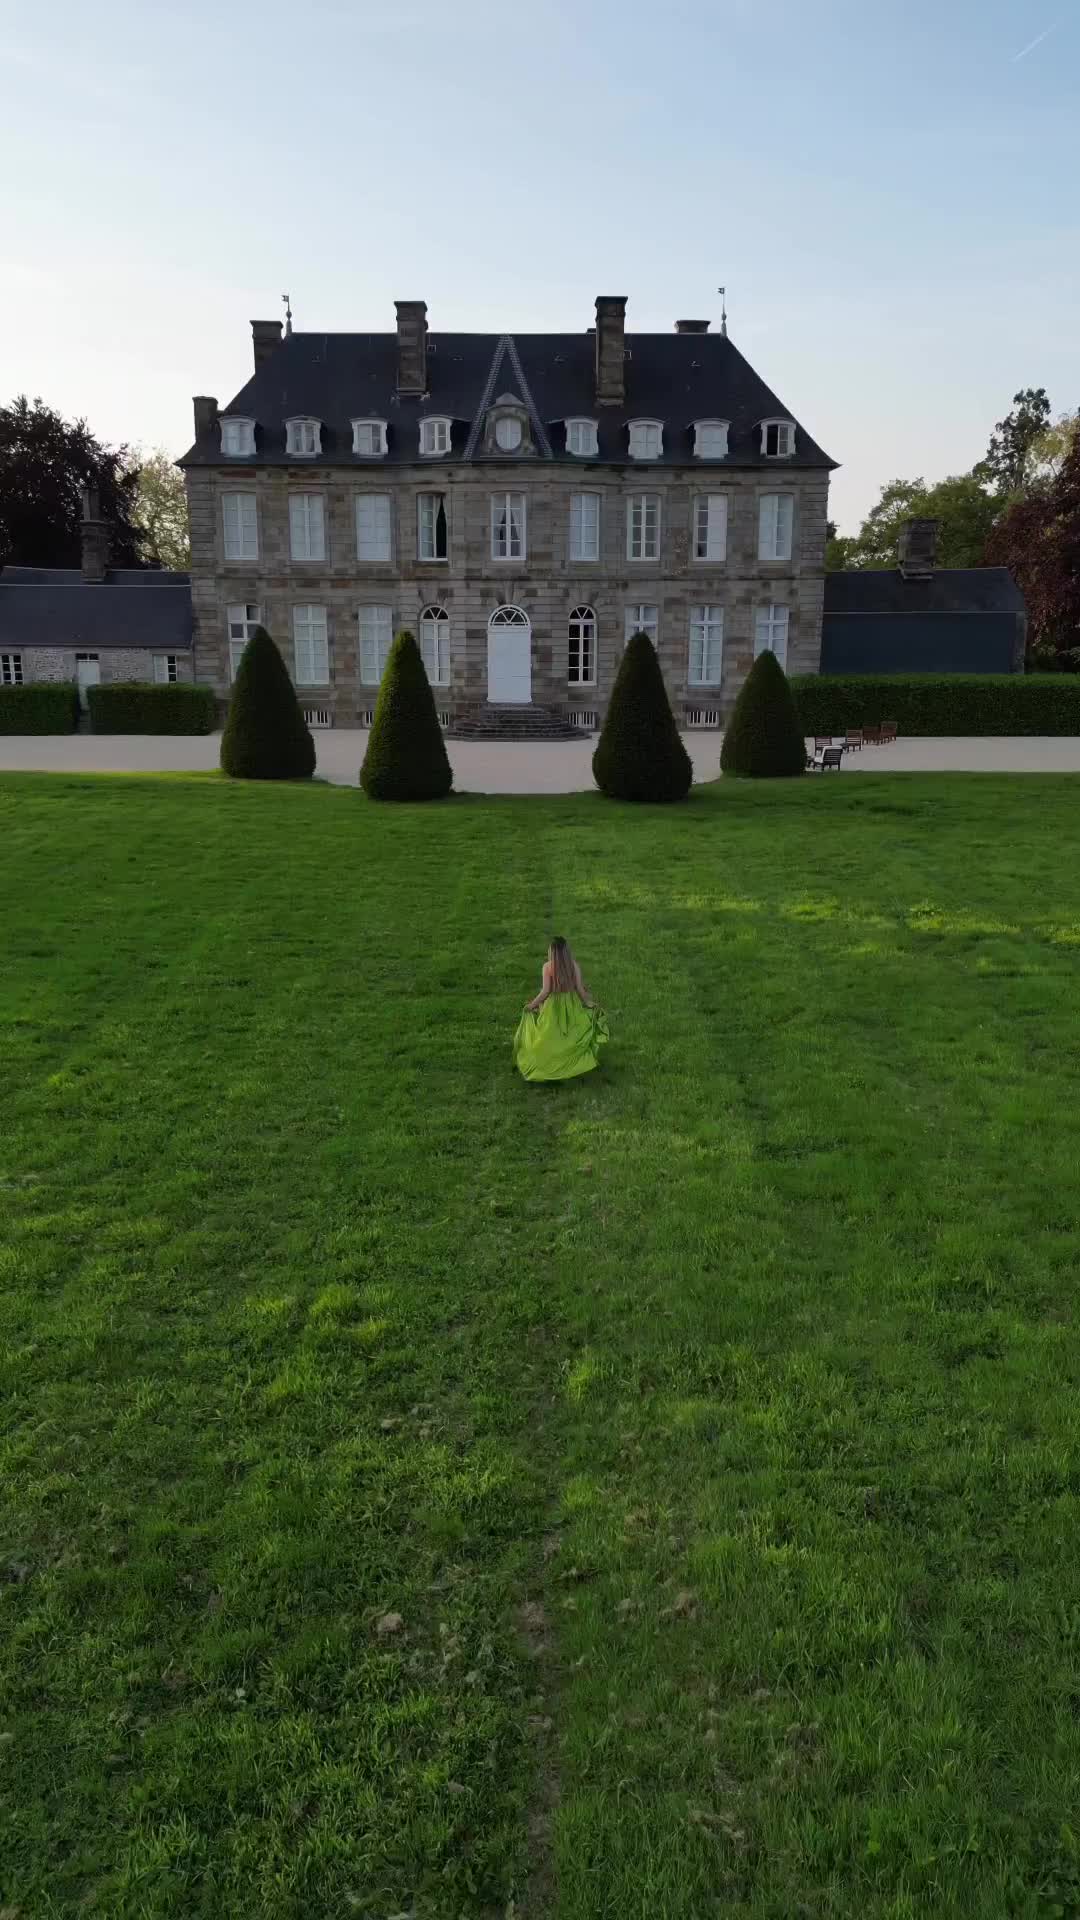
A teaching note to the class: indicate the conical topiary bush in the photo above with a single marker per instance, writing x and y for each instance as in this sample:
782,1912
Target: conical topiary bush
764,737
266,736
639,755
406,756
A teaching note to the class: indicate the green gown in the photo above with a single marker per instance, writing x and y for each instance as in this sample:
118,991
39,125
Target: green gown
561,1041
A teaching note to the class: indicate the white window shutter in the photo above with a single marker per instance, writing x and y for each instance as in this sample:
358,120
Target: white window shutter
784,519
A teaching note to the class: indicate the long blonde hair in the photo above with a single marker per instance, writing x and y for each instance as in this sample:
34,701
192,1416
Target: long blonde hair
565,972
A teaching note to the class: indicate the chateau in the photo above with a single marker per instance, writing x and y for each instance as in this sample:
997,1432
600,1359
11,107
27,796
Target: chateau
522,502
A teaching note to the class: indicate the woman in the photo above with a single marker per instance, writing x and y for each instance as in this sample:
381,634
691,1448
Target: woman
561,1032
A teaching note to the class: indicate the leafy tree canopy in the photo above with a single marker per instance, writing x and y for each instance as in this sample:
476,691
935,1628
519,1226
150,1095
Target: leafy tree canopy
160,509
45,461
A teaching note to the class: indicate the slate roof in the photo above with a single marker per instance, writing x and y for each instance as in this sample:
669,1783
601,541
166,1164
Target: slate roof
56,607
675,377
946,590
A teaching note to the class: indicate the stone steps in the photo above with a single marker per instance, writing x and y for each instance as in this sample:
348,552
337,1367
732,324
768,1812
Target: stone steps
513,723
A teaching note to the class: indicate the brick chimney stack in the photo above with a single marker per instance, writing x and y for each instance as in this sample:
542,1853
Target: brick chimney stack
610,349
206,414
265,339
691,326
917,554
412,332
95,537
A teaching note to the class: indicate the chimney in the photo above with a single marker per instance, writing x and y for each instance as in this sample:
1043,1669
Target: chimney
610,349
265,338
411,346
206,414
691,326
917,555
95,537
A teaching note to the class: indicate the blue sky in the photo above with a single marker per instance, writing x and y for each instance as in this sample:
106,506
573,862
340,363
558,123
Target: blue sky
888,193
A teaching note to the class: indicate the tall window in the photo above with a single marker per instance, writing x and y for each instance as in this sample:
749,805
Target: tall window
582,656
706,646
431,526
241,526
581,438
646,439
312,647
369,438
643,526
584,526
303,437
640,618
11,673
307,532
373,526
710,526
237,437
435,436
771,633
508,526
710,439
435,645
776,513
777,439
376,633
166,669
242,624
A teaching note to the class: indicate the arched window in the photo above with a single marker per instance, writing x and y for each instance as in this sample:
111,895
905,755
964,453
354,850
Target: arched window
435,645
508,617
581,670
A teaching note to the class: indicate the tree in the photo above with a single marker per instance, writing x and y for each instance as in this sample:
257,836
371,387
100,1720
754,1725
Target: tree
962,506
838,548
160,510
1038,539
1048,451
1006,467
45,461
763,739
639,755
266,736
406,756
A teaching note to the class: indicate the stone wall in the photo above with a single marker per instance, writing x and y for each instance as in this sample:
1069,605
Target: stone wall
116,663
470,584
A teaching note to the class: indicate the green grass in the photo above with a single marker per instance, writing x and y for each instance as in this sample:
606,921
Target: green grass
712,1424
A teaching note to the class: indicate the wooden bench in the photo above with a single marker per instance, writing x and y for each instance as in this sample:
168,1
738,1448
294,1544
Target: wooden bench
888,732
853,739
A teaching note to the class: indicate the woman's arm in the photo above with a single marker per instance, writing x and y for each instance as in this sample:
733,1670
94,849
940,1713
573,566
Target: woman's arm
534,1006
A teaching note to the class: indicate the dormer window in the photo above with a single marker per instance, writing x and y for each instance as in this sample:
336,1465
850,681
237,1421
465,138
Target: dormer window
507,428
237,437
581,438
369,438
303,437
778,439
646,439
710,439
435,434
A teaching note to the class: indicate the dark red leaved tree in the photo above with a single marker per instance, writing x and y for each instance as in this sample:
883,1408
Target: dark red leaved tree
1038,539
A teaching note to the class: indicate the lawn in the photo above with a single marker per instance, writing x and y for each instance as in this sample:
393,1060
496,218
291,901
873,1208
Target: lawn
654,1497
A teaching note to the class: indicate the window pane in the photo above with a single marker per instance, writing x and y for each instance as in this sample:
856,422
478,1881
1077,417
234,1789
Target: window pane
376,632
373,526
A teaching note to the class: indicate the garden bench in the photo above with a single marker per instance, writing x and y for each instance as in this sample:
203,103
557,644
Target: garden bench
824,758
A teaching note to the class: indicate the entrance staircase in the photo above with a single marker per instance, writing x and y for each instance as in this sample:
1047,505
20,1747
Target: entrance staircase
512,723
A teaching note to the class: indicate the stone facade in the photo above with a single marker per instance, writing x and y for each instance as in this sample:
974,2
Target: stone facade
115,663
547,585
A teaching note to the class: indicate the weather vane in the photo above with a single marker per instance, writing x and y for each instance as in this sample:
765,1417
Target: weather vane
288,314
722,291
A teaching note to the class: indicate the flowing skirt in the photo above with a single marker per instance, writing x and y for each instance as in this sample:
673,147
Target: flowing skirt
561,1041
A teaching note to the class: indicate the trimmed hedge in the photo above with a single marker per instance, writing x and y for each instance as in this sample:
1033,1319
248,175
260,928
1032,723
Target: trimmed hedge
941,703
639,755
143,707
763,740
406,756
266,736
45,706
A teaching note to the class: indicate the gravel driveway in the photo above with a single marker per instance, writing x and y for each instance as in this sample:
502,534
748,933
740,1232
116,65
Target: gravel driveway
486,767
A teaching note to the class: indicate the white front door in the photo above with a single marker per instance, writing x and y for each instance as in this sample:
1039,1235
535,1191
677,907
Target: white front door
509,658
88,674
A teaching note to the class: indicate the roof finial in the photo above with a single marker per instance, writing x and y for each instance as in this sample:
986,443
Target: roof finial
722,291
288,315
